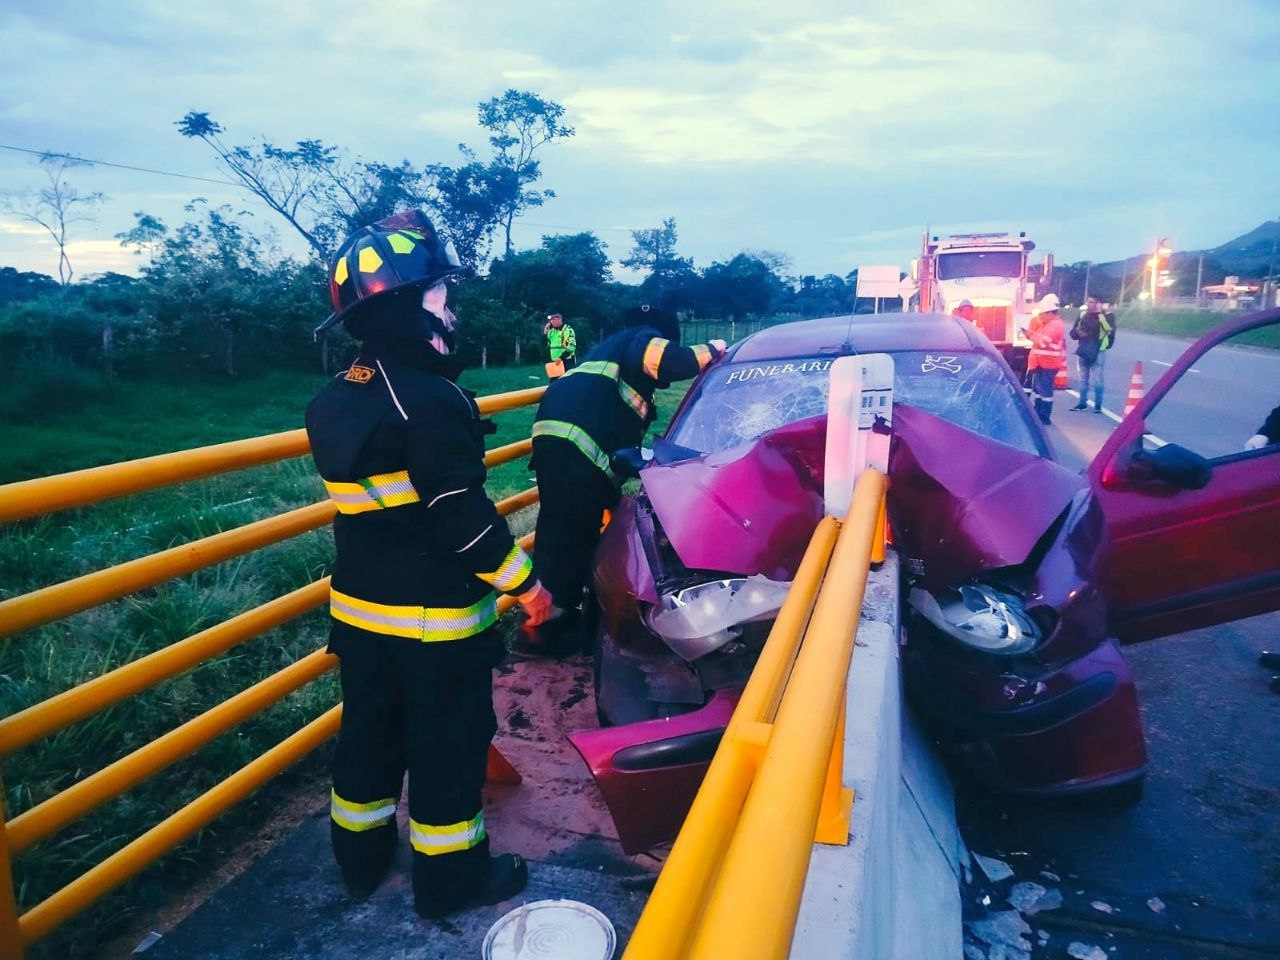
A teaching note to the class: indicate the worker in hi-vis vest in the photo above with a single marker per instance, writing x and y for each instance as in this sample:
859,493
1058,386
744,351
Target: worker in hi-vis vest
421,558
562,342
603,405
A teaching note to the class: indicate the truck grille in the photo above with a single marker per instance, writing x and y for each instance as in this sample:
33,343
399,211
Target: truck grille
994,322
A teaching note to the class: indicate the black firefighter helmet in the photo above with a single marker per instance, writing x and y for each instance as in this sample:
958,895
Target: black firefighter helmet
377,277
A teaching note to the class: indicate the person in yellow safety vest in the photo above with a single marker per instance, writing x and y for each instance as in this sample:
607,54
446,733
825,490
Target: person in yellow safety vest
1047,356
604,405
421,557
562,342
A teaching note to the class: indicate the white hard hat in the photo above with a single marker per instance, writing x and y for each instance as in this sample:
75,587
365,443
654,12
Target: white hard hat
1048,303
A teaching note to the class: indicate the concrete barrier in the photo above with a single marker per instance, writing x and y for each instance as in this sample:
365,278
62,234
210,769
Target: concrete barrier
894,891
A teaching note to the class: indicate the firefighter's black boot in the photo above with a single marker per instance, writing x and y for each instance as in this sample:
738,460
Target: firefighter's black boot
1270,659
507,875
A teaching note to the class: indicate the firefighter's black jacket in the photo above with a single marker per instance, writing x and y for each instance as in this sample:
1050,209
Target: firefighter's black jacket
600,406
397,408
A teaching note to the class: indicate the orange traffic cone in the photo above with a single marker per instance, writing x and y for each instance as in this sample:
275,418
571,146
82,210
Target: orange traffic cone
498,769
1060,380
1135,388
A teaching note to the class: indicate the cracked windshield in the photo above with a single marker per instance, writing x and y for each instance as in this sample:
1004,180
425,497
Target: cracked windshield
742,401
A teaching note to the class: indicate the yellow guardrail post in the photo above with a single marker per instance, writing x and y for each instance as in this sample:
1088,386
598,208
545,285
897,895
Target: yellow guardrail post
10,938
764,868
670,917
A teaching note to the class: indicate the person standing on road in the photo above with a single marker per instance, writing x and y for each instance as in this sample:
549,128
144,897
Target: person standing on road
603,405
1047,356
1094,332
562,342
421,556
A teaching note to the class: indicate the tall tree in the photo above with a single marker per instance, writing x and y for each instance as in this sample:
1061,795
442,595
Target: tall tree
321,192
145,234
56,207
654,250
468,199
519,124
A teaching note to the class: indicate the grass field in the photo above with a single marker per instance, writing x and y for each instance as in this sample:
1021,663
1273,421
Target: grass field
141,420
1190,324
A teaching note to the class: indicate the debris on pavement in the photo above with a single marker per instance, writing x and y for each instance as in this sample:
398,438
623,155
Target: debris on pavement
1085,951
995,870
1030,898
1102,907
1005,928
1155,905
1050,875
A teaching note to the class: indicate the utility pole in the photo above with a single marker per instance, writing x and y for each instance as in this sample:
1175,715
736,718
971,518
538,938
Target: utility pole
1199,276
1088,266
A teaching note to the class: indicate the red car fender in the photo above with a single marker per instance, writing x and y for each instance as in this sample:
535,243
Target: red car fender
650,772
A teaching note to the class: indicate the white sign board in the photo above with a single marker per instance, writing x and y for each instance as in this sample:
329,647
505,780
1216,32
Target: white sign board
859,420
876,281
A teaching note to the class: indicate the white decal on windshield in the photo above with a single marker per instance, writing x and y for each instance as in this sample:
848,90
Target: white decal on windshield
745,374
932,363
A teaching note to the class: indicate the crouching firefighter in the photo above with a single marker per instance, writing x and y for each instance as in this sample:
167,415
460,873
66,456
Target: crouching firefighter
420,553
603,405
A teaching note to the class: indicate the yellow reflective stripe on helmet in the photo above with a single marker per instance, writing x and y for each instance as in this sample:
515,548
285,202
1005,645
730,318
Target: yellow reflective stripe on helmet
575,435
428,624
448,838
703,353
380,492
607,368
653,355
340,272
359,817
513,571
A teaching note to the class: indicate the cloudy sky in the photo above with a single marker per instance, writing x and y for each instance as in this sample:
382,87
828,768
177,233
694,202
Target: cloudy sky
832,132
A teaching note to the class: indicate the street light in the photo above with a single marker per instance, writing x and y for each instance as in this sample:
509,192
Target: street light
1162,251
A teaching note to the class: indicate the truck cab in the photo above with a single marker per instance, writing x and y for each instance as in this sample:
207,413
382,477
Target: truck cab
992,272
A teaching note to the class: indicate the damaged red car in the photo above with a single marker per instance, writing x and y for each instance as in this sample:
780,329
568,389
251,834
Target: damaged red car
1009,641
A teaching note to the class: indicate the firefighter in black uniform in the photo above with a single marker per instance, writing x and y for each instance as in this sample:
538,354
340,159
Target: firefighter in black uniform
602,405
420,553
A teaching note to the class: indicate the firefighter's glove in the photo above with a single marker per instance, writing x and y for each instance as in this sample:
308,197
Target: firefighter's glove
719,346
1256,442
537,604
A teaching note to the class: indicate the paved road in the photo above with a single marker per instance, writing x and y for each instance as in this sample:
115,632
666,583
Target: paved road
1216,406
1205,839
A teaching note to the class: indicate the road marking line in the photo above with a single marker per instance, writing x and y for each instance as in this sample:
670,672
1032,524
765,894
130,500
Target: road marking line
1117,418
1163,364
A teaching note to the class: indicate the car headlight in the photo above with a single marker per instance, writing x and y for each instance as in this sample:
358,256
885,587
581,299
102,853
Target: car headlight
698,620
979,615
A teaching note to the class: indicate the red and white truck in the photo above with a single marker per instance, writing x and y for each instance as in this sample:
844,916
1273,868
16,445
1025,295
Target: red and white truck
990,270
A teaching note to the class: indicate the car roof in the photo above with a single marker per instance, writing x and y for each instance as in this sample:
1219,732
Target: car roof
861,333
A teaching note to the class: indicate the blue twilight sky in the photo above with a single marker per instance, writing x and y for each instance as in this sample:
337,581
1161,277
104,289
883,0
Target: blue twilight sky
831,131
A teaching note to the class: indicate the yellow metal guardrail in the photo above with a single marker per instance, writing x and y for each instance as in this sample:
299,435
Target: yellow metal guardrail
34,497
731,886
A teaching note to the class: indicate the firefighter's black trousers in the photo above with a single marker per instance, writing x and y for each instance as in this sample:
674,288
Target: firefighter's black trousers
424,708
573,495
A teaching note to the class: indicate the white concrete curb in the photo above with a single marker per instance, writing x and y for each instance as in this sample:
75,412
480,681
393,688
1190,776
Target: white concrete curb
894,891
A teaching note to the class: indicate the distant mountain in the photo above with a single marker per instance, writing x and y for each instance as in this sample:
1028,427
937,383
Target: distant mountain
1249,254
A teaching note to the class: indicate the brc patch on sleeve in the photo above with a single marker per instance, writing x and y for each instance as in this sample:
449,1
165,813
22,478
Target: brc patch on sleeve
359,374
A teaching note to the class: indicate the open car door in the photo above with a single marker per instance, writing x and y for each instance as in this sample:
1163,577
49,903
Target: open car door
1191,497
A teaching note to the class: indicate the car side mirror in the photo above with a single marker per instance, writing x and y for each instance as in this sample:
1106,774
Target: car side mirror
1171,464
628,462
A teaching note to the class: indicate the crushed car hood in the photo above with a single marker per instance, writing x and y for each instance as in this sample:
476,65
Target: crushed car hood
960,503
750,509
